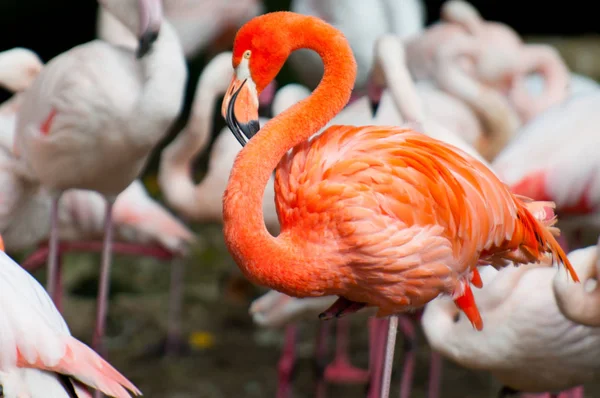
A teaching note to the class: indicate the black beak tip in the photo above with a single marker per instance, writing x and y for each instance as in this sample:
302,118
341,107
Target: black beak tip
250,129
374,105
145,43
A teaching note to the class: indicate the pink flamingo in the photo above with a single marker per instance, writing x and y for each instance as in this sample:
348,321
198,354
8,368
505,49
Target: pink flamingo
198,23
92,125
39,355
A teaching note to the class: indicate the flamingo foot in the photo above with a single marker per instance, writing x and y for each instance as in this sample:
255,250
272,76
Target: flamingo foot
341,371
340,308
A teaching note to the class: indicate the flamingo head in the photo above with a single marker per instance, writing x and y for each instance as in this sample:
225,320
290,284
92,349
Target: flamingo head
142,17
260,49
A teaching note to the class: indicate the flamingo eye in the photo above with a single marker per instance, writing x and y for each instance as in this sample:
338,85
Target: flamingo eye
247,54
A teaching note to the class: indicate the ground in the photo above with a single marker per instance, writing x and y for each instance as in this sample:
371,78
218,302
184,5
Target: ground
232,357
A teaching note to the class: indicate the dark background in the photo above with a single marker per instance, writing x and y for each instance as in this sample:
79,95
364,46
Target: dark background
52,26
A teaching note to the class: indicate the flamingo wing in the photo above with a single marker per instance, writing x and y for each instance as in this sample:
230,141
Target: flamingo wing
414,215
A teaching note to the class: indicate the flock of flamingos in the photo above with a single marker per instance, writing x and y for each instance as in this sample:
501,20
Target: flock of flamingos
421,181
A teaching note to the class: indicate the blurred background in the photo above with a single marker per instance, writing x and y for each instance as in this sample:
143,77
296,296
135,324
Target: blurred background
230,356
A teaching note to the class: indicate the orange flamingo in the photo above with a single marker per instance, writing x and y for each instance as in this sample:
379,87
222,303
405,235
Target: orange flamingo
379,216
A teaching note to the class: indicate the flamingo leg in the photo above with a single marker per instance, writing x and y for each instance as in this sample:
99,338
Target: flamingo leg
287,362
174,341
435,374
53,254
410,348
388,361
321,358
59,283
377,353
341,370
104,284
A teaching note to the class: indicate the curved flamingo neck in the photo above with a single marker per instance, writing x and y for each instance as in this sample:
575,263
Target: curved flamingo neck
277,262
175,174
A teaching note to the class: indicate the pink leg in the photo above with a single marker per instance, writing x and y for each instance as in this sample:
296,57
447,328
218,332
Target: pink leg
341,370
287,362
377,353
410,348
321,357
53,255
174,343
435,375
58,290
104,282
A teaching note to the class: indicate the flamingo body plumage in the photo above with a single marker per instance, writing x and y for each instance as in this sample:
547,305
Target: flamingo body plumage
350,194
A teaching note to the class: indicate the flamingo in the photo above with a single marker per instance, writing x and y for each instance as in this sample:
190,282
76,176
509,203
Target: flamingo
504,59
403,18
39,355
92,125
18,68
361,216
196,22
528,344
570,177
24,220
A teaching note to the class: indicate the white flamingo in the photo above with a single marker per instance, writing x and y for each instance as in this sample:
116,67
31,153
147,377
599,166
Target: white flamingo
92,125
528,344
39,355
196,22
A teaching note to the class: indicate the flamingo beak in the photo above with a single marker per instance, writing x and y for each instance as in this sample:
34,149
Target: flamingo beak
240,109
151,15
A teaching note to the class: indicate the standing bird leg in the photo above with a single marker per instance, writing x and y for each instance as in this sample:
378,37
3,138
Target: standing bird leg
53,270
321,358
174,343
410,351
388,361
435,374
341,370
287,362
104,284
378,347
